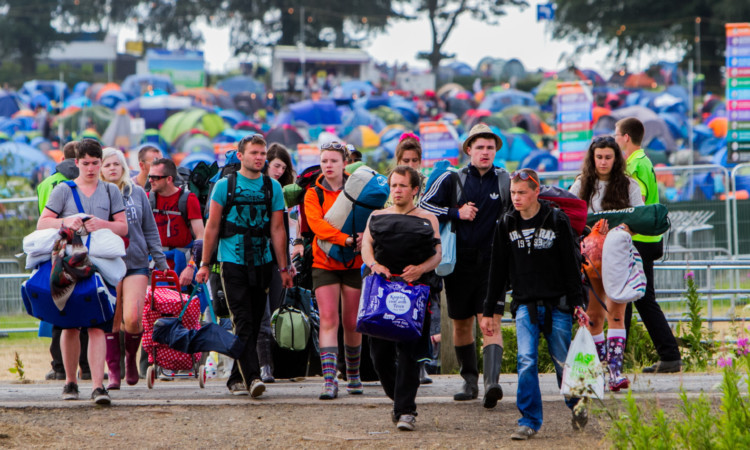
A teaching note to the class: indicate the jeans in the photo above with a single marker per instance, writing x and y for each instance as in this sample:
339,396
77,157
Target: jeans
529,396
397,366
651,314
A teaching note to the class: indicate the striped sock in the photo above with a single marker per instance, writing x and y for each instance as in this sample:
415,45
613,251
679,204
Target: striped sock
353,356
328,364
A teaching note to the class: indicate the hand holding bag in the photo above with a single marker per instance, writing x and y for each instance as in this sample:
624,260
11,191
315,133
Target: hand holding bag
392,310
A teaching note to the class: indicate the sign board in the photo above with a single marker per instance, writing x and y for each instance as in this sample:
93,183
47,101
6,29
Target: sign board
308,155
738,92
184,67
545,11
134,47
439,141
574,114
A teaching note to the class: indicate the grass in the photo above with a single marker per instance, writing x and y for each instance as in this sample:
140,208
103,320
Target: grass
18,321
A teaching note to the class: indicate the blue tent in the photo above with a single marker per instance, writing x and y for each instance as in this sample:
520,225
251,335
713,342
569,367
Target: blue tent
38,99
359,117
8,103
676,124
322,112
407,108
540,161
497,101
80,88
461,69
232,116
155,109
241,83
111,99
136,85
231,135
80,101
22,159
350,89
54,90
192,160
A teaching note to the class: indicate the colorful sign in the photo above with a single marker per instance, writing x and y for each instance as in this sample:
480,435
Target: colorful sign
738,92
308,155
184,67
439,142
574,114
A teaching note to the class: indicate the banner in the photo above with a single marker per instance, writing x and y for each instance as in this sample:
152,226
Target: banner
184,67
574,114
738,92
307,155
439,141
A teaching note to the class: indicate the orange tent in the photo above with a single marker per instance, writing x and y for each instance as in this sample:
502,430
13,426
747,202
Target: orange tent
23,113
599,111
640,80
106,88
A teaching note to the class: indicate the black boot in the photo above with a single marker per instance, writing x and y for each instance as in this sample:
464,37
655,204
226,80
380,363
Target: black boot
424,378
467,358
493,359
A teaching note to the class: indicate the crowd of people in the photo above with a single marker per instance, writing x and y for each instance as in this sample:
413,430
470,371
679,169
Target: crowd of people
506,238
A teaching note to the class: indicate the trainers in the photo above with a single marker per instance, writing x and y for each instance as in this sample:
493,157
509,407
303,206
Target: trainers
330,391
238,388
406,422
580,417
70,391
52,375
355,387
100,396
664,367
523,433
257,388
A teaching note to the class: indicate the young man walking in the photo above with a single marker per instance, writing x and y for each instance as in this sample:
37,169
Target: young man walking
535,249
473,200
245,220
629,135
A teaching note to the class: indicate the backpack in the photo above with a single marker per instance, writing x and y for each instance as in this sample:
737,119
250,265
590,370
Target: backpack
232,165
306,180
503,185
198,181
575,208
181,206
228,229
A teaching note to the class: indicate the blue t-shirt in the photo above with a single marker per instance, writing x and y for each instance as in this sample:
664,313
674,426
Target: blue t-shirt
231,249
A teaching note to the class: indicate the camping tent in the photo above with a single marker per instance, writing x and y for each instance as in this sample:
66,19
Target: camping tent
655,127
497,101
8,103
322,112
21,160
193,118
118,133
136,85
241,83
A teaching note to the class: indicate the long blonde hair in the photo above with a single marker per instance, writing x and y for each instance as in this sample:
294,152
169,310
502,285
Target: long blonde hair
124,184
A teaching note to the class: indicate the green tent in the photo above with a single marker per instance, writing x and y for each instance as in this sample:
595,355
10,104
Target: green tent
547,90
184,121
97,115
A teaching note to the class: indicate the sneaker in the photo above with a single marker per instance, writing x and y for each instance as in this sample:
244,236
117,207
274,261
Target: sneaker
406,422
266,374
580,417
257,388
70,391
330,391
52,375
664,367
523,433
238,388
355,388
100,396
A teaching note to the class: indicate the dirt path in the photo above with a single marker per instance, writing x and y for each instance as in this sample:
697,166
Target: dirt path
283,426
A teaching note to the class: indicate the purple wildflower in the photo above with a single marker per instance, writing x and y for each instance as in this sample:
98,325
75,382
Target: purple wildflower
689,274
725,362
743,346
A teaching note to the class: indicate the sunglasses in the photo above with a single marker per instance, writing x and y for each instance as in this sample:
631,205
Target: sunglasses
524,176
608,139
333,145
157,177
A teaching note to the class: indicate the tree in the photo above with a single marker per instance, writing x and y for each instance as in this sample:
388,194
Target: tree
628,27
25,31
444,14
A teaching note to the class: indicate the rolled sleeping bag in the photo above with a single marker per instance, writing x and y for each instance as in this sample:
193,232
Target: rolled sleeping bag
364,192
649,220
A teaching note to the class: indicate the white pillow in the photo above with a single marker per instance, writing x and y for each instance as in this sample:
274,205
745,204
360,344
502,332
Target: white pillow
622,268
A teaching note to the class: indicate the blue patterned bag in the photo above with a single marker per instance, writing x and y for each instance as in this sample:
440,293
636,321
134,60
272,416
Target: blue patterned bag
390,309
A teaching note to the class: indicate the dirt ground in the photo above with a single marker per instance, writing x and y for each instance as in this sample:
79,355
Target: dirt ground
283,426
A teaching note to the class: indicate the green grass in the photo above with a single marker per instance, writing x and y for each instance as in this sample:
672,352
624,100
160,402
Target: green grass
18,321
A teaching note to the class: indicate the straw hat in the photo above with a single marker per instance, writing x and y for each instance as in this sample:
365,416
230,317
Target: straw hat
481,130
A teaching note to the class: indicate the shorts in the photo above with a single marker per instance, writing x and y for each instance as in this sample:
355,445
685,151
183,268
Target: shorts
139,271
323,277
465,292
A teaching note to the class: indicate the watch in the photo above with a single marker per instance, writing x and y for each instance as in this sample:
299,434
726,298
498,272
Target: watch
204,264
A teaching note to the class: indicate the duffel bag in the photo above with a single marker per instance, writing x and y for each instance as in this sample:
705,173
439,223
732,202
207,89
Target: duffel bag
392,310
91,303
290,325
649,220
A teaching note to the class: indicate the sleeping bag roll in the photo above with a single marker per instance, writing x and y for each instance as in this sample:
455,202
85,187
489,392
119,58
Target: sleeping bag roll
649,220
364,192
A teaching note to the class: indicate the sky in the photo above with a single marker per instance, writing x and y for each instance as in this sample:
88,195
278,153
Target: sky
517,35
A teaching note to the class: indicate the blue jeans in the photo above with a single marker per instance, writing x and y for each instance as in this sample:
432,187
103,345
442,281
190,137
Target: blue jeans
529,396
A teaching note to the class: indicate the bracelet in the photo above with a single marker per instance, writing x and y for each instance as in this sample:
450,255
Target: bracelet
284,269
373,265
298,241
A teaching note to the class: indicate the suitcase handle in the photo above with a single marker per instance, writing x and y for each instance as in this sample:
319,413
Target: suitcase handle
168,276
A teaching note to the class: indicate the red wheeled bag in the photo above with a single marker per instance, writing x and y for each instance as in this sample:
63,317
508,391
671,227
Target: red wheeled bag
163,299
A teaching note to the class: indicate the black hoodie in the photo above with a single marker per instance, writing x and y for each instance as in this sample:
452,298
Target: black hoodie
545,272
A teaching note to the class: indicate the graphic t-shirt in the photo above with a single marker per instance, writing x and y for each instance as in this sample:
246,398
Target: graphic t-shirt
173,230
522,237
232,249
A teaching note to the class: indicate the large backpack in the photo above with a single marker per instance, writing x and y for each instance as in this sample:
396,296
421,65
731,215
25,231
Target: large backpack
575,208
232,165
181,206
306,180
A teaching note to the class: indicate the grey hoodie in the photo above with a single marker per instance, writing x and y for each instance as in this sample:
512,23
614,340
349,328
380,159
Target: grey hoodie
68,168
142,231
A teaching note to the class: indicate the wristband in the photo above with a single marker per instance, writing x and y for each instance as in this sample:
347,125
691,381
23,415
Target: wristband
191,264
284,269
298,241
373,265
204,264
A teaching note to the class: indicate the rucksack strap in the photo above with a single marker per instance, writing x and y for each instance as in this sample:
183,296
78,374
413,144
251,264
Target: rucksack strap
76,198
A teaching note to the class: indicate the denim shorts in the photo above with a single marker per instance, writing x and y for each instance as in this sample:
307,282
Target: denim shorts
138,271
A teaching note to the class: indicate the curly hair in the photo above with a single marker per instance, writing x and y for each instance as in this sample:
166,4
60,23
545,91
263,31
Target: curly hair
617,194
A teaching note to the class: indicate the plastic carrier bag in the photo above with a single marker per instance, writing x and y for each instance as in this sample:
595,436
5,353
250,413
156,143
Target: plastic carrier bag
583,375
392,310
